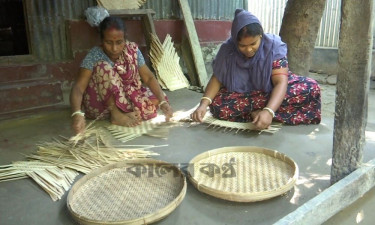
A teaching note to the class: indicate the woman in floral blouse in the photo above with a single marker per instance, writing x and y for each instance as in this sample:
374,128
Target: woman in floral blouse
252,82
109,82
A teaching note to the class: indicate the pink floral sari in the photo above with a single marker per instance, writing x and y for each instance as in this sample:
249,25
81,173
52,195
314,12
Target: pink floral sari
122,81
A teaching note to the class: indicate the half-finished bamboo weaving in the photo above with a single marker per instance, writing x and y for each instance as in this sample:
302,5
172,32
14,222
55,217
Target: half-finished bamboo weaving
226,125
149,127
243,174
165,61
129,192
237,126
121,4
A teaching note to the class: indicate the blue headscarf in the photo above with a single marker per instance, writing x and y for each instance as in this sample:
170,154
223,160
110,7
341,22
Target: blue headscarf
239,73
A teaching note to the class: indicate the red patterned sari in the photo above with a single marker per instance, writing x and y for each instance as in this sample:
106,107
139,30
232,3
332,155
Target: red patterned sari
123,82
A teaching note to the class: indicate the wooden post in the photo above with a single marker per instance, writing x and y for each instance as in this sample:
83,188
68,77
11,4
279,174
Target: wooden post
189,63
194,43
148,25
355,45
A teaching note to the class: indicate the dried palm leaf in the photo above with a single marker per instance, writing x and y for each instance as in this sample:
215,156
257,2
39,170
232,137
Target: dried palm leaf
166,64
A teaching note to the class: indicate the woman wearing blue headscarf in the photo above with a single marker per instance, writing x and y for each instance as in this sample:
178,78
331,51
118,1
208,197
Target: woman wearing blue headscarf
251,80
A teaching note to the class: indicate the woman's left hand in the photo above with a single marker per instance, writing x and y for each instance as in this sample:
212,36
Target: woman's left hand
167,111
262,120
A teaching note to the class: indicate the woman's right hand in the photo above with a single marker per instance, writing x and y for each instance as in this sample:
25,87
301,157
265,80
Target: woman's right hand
199,113
78,124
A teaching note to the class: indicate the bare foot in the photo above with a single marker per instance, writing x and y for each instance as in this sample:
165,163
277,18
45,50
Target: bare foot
255,113
129,119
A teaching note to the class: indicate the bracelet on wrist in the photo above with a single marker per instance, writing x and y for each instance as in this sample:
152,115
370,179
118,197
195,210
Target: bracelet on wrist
207,98
270,111
79,112
162,103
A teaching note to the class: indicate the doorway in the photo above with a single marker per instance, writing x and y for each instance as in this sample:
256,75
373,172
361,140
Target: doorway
13,31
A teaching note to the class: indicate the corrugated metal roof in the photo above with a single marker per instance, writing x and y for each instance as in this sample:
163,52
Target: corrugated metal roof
202,10
47,18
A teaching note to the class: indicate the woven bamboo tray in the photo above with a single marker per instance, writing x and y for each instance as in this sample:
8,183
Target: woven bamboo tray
139,191
243,173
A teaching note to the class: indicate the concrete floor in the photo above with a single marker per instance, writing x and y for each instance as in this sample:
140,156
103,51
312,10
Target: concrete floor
24,202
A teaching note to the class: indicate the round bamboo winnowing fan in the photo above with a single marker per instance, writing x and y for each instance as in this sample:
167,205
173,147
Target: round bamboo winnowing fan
243,173
129,192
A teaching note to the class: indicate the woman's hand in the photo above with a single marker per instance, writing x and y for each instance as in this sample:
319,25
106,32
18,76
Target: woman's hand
199,113
262,120
167,111
78,124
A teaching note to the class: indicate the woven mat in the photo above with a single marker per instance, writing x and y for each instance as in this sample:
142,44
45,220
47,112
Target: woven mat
140,192
243,174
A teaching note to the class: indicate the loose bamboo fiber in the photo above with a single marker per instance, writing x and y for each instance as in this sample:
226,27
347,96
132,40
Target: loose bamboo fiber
129,192
243,174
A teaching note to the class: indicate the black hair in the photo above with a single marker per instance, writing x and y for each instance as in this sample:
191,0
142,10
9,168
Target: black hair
111,22
250,30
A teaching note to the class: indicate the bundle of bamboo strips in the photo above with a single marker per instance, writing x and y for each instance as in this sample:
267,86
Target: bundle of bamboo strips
121,4
166,64
55,164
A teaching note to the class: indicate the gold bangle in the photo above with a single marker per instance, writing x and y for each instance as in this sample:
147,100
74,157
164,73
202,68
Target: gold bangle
207,98
270,111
